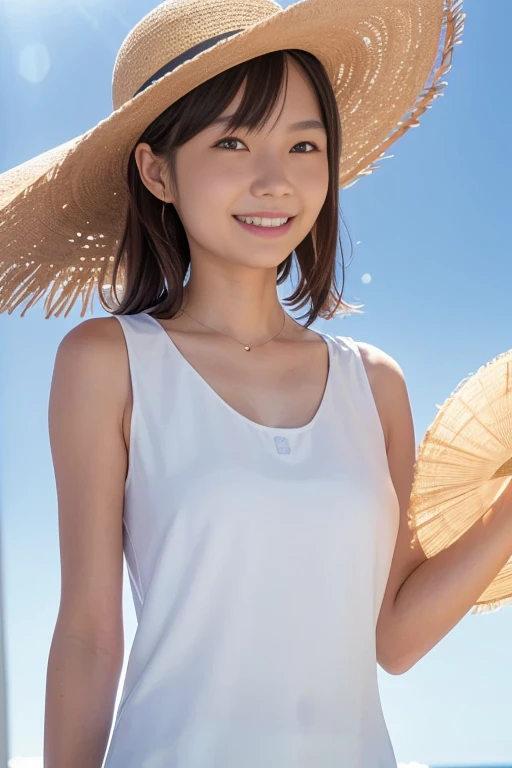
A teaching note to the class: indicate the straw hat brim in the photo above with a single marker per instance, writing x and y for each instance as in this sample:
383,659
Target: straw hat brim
63,212
463,464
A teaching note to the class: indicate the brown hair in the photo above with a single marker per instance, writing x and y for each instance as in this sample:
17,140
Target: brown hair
153,253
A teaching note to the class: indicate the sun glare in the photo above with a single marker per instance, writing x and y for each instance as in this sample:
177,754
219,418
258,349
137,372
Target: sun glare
32,6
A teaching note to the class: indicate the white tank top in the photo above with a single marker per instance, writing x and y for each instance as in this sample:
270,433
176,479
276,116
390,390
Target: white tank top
258,559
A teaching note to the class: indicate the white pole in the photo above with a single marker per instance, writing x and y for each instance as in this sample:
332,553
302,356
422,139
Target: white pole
4,751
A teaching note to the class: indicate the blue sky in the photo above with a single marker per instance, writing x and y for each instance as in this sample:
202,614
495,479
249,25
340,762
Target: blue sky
431,229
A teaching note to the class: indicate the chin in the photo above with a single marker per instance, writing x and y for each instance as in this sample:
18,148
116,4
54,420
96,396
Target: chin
262,260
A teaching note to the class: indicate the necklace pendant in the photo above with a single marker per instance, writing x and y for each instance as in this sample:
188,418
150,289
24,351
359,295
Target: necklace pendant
248,349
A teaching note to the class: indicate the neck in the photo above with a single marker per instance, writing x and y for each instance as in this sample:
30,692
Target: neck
251,314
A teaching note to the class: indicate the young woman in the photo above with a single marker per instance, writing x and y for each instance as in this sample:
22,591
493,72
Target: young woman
255,472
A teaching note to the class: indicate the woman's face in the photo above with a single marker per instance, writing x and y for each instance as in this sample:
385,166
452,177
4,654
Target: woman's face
278,169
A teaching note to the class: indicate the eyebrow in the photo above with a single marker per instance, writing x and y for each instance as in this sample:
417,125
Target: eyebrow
302,125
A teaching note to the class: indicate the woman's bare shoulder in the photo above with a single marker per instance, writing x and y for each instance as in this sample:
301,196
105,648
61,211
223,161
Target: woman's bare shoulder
99,331
387,382
96,350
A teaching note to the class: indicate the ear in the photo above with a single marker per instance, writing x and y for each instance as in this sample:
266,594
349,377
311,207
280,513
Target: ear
152,172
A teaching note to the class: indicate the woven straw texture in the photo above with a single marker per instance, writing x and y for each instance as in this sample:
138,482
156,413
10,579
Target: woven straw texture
463,464
63,213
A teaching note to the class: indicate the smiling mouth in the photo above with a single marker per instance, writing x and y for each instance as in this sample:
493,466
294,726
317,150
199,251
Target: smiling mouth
288,220
264,232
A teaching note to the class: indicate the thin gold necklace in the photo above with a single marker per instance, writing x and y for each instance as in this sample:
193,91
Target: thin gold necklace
245,346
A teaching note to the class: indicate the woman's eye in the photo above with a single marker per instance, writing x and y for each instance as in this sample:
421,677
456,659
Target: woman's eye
315,148
227,141
234,140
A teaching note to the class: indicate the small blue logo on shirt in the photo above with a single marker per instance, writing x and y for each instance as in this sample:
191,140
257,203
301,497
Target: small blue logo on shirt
282,445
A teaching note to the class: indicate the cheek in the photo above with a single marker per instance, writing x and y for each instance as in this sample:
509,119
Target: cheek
315,180
214,189
205,197
206,204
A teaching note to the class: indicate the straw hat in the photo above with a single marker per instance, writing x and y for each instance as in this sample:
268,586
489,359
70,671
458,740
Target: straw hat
62,213
463,464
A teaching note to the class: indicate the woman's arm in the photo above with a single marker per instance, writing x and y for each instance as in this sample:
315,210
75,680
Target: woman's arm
426,598
81,687
90,460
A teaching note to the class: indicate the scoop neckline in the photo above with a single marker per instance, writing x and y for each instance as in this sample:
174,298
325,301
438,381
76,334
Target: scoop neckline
262,427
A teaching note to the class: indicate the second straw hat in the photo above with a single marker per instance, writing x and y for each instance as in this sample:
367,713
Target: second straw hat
62,214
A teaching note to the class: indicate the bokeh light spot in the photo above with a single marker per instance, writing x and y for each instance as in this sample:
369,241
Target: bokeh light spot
34,62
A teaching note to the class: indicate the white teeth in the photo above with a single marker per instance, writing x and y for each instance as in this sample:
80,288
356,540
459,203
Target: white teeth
262,222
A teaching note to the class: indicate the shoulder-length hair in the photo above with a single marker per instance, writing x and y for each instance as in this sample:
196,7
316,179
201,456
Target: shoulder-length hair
153,255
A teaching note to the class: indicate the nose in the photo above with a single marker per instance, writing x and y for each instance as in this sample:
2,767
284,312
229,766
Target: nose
271,178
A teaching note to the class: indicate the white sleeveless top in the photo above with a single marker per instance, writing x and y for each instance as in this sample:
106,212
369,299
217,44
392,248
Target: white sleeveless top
258,559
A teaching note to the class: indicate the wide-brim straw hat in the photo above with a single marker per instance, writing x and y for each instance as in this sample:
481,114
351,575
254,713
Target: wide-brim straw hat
463,464
62,214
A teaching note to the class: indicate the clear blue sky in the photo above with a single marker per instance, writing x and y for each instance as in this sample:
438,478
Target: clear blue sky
432,228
